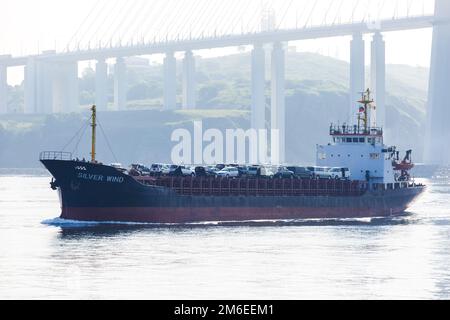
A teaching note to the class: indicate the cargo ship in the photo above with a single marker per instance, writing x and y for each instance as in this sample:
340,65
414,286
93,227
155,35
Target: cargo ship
379,185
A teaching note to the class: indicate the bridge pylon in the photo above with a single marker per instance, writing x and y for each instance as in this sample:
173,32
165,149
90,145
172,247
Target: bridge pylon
101,81
438,106
3,89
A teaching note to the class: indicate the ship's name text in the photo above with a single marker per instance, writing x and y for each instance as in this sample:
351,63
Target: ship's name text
100,178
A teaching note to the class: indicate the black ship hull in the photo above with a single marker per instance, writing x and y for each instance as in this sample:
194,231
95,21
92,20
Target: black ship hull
95,192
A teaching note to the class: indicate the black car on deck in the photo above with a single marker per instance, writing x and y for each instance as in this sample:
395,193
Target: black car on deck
301,172
207,171
283,173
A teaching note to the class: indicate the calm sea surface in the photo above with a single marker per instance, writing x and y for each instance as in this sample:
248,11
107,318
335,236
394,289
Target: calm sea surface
43,257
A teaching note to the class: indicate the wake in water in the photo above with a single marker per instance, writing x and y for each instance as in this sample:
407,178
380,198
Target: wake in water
405,218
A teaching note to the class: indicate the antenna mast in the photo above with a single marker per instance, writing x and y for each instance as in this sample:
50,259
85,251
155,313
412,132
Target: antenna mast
94,126
366,101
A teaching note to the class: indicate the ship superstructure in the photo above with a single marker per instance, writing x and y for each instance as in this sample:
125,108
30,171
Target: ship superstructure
360,148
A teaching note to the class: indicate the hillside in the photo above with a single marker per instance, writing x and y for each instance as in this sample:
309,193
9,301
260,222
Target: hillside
316,94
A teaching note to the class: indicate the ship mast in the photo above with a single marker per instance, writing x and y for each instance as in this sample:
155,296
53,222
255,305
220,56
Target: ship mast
93,125
366,101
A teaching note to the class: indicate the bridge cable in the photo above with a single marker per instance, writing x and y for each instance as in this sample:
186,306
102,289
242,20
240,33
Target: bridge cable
137,19
148,15
298,17
154,25
121,24
324,22
218,9
93,23
198,18
191,18
125,32
122,10
209,25
337,16
284,15
355,7
165,26
237,18
258,16
100,28
311,13
380,9
84,21
174,18
134,21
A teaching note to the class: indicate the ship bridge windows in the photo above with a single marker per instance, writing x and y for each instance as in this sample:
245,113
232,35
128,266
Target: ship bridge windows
349,140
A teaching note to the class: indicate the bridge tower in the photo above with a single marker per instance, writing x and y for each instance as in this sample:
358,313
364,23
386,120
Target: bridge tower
258,111
438,108
45,71
378,76
50,86
30,88
189,86
278,118
65,87
101,81
170,81
120,84
357,71
3,87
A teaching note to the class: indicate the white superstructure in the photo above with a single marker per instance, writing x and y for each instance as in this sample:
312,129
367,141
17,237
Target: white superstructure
361,149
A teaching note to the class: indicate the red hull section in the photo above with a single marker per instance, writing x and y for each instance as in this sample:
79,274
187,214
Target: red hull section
186,215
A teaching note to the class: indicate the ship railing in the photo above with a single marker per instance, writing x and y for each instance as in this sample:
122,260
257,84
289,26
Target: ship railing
355,130
394,186
258,187
55,155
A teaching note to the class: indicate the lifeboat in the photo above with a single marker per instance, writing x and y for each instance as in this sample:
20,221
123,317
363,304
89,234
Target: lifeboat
403,166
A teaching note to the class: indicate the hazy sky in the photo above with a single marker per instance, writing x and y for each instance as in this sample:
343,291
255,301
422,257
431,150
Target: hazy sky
30,26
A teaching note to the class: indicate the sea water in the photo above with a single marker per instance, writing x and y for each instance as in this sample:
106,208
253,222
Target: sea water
44,257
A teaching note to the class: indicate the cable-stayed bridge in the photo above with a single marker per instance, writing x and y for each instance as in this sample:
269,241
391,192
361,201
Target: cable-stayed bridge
113,29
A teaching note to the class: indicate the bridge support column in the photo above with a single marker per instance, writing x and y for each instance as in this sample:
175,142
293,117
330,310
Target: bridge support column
65,87
3,89
357,72
44,87
438,111
378,76
170,82
120,84
30,86
101,80
189,86
278,118
258,112
39,82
